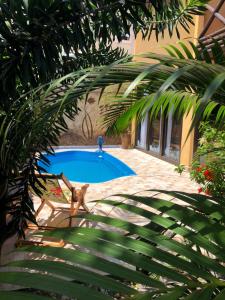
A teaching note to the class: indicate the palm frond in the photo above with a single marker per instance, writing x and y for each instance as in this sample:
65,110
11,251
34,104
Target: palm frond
180,82
53,37
171,15
179,252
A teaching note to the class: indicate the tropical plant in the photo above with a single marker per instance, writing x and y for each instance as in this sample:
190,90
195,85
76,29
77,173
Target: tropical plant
179,169
45,110
178,254
208,166
38,38
189,78
41,40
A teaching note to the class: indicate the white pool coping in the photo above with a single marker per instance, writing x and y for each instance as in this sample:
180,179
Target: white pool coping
93,147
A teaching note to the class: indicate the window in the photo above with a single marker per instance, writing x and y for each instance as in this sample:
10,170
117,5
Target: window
172,137
142,133
161,136
154,135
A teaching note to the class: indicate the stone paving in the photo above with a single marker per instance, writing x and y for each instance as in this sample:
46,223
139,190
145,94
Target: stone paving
152,173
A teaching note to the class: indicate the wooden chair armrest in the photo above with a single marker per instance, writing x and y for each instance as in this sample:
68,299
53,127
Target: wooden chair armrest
48,176
67,182
80,198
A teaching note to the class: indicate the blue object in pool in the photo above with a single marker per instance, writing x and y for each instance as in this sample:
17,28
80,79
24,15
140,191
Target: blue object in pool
87,167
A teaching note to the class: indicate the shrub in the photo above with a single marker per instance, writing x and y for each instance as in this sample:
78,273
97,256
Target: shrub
208,166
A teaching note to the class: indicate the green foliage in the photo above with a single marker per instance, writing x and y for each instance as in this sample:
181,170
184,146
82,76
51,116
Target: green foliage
179,169
34,128
179,82
211,150
41,41
44,112
38,38
177,254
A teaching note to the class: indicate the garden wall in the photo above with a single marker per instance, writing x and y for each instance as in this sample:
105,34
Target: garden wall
86,127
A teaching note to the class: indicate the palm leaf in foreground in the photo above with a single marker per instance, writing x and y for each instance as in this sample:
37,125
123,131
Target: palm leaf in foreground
178,254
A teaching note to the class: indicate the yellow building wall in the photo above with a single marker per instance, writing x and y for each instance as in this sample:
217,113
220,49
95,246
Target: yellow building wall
133,132
155,46
142,46
187,140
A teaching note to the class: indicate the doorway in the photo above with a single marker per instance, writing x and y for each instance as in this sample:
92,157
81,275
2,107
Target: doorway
161,136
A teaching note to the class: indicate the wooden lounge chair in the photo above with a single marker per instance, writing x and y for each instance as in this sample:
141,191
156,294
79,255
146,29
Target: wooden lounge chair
54,196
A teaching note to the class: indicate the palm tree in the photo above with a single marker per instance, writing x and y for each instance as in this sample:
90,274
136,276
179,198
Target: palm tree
43,40
180,81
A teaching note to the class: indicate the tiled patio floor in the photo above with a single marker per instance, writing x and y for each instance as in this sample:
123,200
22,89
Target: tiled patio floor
152,173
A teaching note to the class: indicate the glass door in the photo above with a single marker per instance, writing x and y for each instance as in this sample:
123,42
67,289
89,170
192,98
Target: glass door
154,135
142,133
161,136
172,137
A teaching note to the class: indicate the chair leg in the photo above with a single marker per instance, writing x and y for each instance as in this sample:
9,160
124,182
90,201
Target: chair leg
85,206
84,191
80,198
71,213
43,202
40,207
49,204
79,203
57,244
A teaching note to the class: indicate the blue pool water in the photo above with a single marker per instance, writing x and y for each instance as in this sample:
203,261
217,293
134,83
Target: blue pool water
87,167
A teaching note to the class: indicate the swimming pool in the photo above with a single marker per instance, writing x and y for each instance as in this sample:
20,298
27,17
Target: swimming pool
87,166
